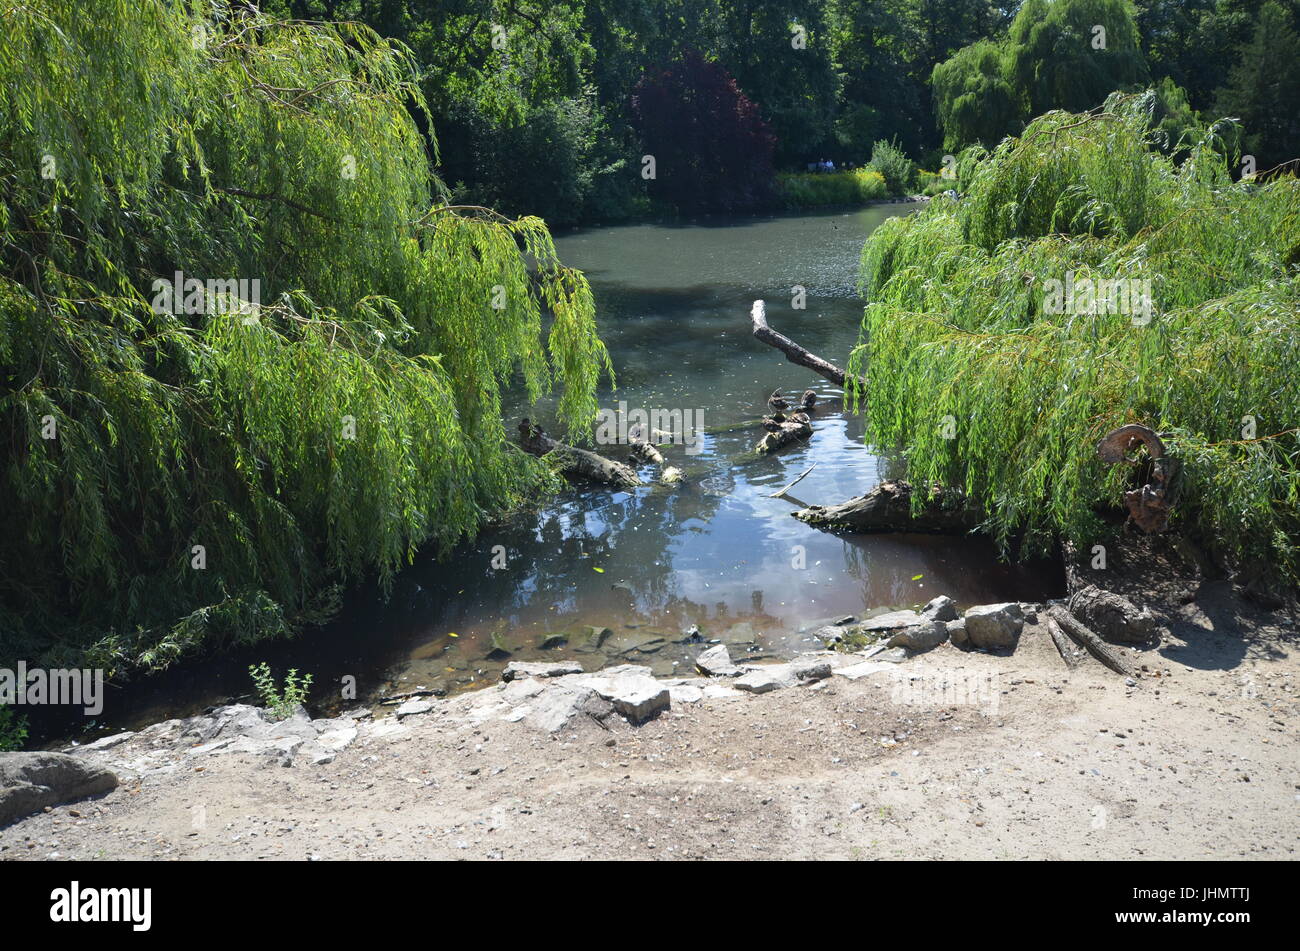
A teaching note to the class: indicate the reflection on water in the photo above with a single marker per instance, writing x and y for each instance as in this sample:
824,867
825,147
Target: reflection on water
715,552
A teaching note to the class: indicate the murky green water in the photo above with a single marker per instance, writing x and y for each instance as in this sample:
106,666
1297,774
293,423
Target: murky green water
647,564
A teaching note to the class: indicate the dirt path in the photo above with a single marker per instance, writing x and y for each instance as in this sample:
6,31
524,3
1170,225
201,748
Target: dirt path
1201,761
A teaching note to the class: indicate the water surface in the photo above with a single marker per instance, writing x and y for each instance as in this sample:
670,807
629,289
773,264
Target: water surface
715,552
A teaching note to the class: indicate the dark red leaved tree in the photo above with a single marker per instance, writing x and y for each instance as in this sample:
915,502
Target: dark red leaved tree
712,149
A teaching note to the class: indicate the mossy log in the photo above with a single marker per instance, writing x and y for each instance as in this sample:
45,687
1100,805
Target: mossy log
888,508
575,463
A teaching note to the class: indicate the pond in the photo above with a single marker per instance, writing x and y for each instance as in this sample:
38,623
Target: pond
716,551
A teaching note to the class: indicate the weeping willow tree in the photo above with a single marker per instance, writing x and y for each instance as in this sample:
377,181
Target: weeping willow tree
993,387
185,464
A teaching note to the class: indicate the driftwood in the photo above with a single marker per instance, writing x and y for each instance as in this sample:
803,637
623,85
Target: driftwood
782,491
1086,637
1069,651
795,353
575,463
888,508
1148,506
789,429
643,451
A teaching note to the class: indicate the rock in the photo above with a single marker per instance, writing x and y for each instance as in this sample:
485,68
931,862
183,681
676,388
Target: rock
769,677
895,655
830,634
864,669
552,641
1113,616
596,638
957,632
922,637
685,693
29,782
717,662
889,621
633,692
765,679
559,704
942,608
994,625
413,708
519,668
498,651
809,669
740,634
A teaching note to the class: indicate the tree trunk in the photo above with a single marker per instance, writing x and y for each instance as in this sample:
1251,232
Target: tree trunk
1095,645
575,463
795,353
888,508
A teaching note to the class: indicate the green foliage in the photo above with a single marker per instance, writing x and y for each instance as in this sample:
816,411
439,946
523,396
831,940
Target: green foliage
13,729
893,166
957,327
356,418
1058,54
279,704
975,100
819,189
1264,90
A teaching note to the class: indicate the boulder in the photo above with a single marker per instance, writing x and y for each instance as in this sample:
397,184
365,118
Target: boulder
717,662
957,632
31,781
632,690
922,637
942,608
596,638
518,668
993,626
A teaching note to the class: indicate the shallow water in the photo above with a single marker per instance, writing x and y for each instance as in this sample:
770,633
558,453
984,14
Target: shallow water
716,551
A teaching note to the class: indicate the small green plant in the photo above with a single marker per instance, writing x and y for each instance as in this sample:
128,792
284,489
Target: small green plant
893,165
13,730
279,704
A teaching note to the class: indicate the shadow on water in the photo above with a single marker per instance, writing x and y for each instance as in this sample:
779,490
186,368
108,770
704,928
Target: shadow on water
645,565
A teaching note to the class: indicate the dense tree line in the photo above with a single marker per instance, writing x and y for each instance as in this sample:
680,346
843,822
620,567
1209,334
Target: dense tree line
533,102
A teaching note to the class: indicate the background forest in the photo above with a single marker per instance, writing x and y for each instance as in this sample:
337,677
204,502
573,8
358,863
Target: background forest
551,118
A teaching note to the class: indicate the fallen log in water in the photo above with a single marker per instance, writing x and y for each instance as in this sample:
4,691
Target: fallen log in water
795,353
789,429
575,463
888,508
643,451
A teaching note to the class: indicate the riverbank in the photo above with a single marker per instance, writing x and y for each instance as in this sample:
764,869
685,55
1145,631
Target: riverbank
1193,758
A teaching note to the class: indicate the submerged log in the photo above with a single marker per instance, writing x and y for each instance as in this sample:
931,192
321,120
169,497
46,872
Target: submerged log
1086,637
575,463
888,508
643,451
795,353
1148,506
